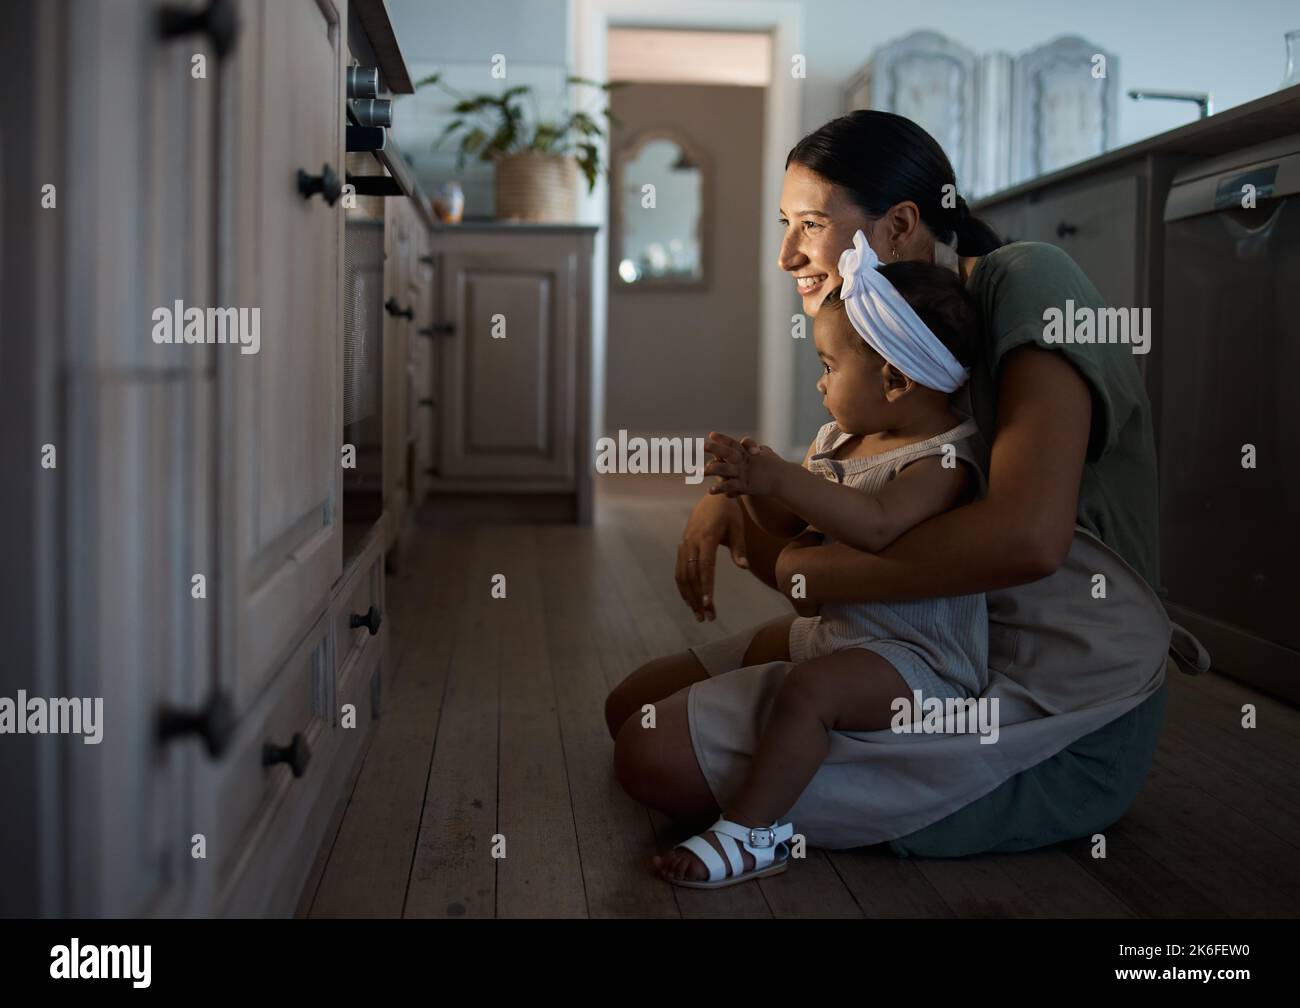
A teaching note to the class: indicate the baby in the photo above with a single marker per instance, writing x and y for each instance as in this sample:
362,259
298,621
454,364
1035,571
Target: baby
895,344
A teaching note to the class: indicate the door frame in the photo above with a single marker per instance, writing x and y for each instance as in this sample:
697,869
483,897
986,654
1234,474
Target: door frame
783,20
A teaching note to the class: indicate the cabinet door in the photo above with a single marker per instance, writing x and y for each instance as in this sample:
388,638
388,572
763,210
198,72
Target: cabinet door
507,405
397,269
283,404
421,368
127,522
1098,225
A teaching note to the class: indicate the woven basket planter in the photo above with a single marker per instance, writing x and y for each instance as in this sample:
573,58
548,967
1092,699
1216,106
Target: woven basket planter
536,187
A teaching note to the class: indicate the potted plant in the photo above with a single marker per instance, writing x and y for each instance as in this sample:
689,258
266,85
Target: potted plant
536,162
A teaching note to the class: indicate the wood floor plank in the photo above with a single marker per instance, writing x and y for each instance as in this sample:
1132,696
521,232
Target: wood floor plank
614,834
1040,883
1278,716
541,875
1235,776
495,724
1140,879
453,873
884,885
1220,853
1271,741
369,863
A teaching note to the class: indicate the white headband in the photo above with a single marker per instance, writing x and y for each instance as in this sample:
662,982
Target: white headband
890,326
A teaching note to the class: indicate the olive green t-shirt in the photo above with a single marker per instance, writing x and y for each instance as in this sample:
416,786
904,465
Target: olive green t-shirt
1118,501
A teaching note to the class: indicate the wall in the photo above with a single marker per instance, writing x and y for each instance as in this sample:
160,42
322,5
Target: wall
460,41
1235,52
686,361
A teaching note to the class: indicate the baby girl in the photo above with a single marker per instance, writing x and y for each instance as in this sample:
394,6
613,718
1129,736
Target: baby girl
895,344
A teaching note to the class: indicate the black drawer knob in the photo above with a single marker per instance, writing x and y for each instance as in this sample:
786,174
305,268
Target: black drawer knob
370,621
1063,229
214,723
326,183
397,311
217,21
295,755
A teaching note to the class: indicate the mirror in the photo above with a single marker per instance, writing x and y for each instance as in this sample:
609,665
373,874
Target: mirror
660,232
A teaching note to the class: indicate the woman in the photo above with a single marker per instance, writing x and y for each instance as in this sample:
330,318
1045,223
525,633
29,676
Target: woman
1071,490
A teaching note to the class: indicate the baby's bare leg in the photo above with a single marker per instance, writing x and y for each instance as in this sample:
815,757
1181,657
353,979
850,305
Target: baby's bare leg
851,690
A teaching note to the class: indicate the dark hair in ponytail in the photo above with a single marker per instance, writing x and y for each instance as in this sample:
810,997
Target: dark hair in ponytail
881,159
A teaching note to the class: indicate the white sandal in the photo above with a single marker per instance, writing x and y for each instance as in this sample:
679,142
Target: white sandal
767,845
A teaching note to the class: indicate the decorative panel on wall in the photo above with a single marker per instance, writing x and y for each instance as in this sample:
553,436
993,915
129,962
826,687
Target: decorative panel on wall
1061,112
1000,119
931,80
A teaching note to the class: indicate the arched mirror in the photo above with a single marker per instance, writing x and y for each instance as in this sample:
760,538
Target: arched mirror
659,203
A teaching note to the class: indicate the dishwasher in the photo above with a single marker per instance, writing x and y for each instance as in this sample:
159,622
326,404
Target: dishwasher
1229,419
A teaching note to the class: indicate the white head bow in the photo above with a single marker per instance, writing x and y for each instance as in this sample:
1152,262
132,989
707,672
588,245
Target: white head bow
890,325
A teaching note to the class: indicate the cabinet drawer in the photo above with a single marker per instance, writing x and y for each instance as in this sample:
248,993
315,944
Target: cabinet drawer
359,593
255,787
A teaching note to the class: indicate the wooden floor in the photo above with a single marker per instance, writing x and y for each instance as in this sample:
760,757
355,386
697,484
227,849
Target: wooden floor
495,726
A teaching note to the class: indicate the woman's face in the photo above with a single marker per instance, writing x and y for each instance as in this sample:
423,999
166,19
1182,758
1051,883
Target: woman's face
820,222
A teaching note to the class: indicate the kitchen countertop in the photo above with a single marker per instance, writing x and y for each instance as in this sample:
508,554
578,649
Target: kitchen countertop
1266,118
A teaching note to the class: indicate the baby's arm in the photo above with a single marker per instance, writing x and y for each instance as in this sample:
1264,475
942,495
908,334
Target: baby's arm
869,521
767,512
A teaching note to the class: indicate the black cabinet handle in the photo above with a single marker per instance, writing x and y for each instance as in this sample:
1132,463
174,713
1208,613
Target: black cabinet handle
427,260
295,755
214,723
397,311
326,183
426,402
370,621
442,329
217,21
1063,229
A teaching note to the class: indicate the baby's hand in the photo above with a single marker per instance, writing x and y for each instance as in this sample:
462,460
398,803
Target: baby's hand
743,467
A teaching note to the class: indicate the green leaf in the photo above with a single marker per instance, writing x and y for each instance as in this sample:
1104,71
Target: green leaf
433,78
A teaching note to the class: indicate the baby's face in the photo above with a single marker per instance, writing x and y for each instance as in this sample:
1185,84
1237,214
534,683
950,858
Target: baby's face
854,377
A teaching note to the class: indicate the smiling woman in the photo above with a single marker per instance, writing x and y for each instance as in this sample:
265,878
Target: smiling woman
1071,492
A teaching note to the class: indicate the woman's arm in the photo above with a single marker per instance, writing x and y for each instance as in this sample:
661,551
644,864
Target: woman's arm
810,539
1021,531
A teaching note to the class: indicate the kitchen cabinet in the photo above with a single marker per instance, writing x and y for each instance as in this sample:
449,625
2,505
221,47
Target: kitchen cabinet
512,356
186,553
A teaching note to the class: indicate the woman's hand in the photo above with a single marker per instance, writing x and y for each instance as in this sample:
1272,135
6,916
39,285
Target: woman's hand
743,467
715,521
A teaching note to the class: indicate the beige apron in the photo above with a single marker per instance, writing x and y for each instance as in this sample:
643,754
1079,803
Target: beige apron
1062,663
